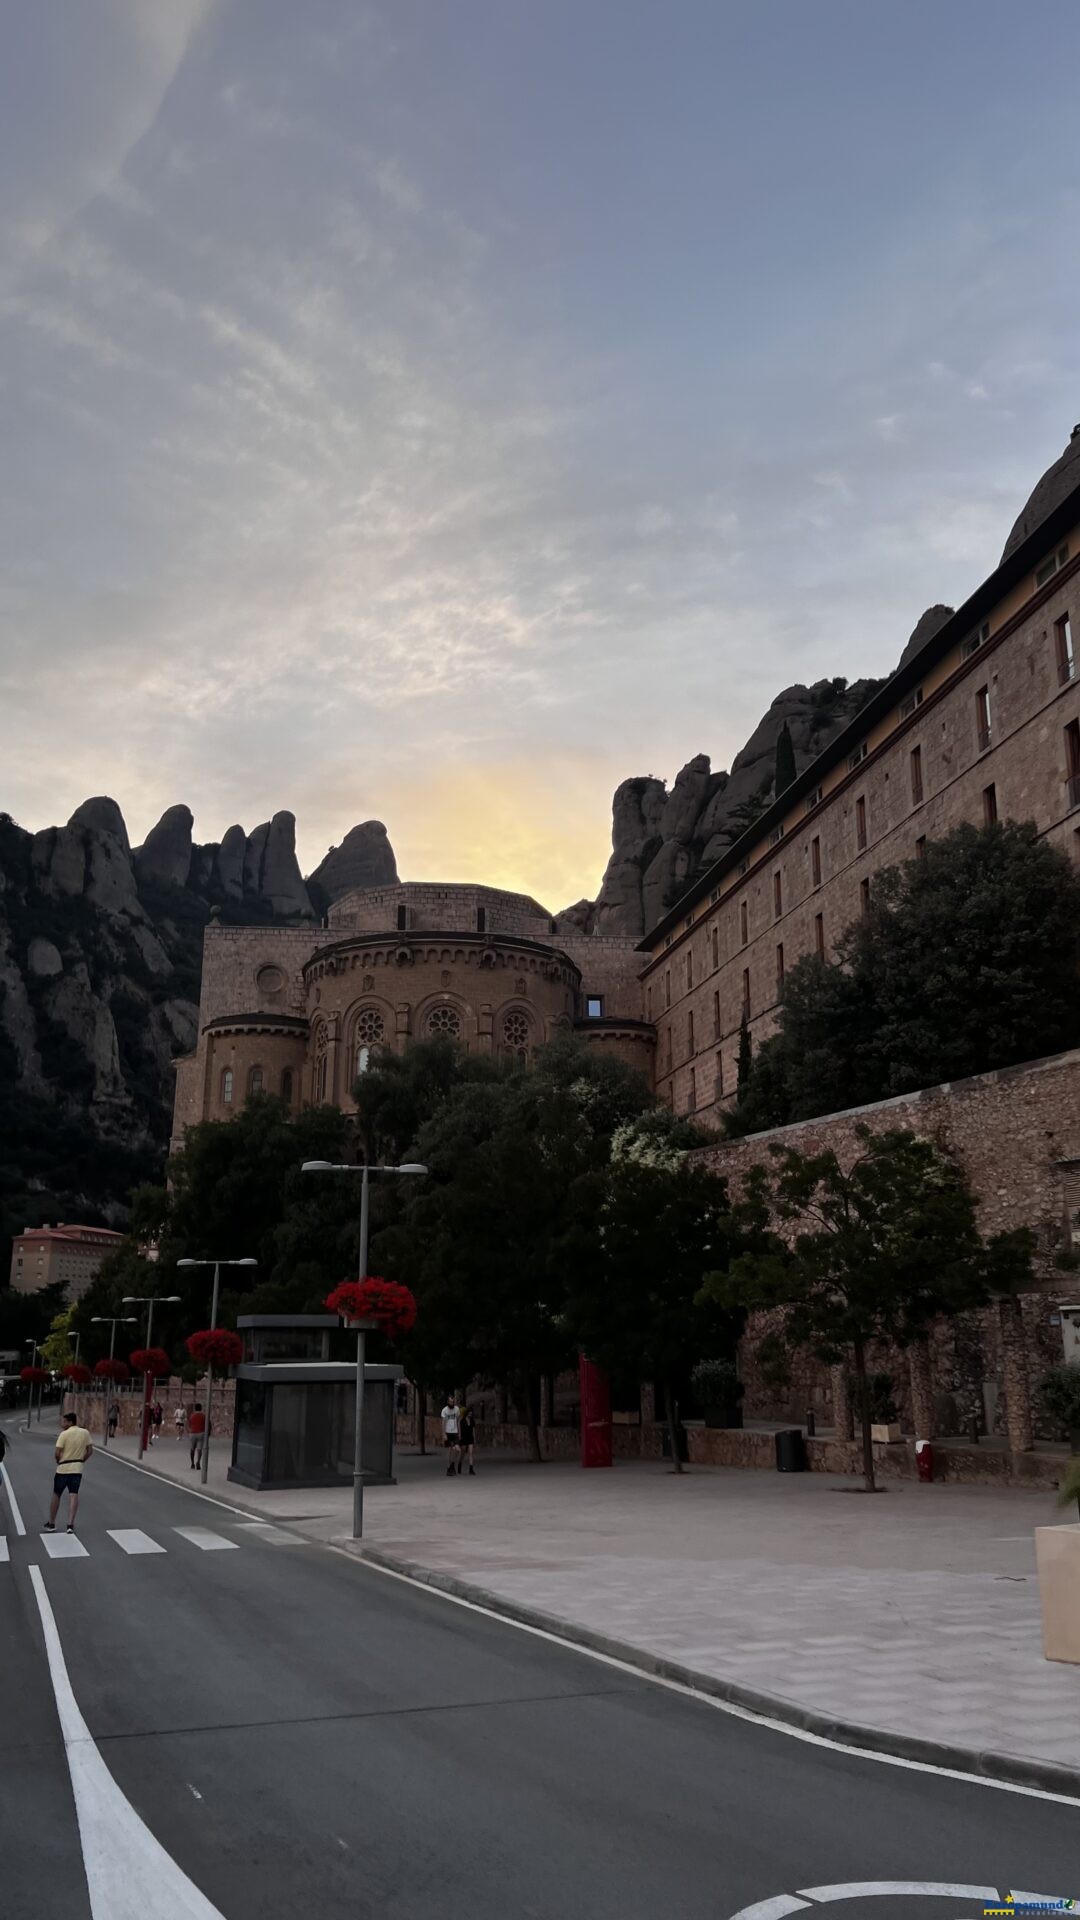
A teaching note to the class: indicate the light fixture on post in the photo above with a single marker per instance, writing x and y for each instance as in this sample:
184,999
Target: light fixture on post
247,1261
149,1301
112,1321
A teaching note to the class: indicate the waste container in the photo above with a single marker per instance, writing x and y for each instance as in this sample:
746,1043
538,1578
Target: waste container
790,1451
924,1459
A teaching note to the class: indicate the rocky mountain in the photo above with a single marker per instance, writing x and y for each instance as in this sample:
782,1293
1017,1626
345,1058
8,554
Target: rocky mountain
100,957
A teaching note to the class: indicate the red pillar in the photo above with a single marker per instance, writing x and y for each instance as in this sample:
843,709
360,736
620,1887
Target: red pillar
595,1415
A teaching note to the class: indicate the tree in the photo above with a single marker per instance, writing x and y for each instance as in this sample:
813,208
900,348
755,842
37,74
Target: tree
57,1350
874,1251
965,961
785,760
635,1304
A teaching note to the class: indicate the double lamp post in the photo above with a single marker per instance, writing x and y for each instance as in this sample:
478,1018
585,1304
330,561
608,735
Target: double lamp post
363,1327
217,1265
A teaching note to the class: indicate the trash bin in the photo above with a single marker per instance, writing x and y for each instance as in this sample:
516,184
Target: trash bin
681,1435
790,1451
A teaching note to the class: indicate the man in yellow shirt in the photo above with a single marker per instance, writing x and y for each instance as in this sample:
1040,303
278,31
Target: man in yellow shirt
73,1450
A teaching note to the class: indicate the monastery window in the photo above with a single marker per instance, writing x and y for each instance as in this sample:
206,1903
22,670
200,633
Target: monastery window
669,1049
402,919
648,1001
779,970
255,1080
719,1075
982,719
1050,567
594,1007
776,835
864,896
777,895
716,1014
691,1049
815,861
445,1020
691,1100
860,825
515,1035
975,640
856,759
1072,764
819,935
908,706
746,992
481,919
689,970
990,807
920,847
814,799
715,948
226,1087
1063,646
368,1033
667,988
916,776
744,923
286,1086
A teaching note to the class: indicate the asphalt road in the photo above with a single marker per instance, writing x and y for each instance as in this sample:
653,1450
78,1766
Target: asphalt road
306,1737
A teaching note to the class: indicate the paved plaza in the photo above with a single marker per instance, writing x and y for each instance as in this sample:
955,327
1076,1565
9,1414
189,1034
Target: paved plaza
914,1612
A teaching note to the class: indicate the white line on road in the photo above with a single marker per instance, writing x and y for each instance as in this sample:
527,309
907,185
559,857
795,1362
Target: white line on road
4,1554
274,1536
209,1542
773,1909
195,1493
128,1872
133,1540
64,1546
20,1525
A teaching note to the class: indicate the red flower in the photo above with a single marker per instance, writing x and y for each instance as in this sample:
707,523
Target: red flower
34,1376
390,1305
79,1375
216,1347
152,1360
113,1370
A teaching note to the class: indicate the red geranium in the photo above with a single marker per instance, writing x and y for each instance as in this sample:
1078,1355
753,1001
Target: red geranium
113,1370
216,1347
152,1360
390,1305
79,1375
34,1376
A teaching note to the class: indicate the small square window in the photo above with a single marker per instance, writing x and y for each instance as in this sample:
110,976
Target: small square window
594,1007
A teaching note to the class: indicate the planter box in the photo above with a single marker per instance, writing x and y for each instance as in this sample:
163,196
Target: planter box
885,1431
1057,1556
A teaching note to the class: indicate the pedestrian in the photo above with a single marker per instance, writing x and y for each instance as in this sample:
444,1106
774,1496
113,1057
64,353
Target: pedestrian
73,1450
180,1421
451,1421
157,1415
467,1436
114,1419
197,1433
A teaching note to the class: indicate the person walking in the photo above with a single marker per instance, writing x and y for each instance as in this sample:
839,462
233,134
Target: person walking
157,1415
114,1419
197,1433
451,1422
180,1421
467,1437
73,1450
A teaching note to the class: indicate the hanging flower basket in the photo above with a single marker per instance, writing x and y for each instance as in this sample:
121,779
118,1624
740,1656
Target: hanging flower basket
113,1370
34,1376
384,1304
216,1348
152,1361
79,1375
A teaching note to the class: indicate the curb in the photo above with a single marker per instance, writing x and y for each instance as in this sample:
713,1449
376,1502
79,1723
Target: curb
1009,1769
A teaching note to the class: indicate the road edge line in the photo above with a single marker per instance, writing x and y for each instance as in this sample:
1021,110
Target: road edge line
1040,1779
16,1511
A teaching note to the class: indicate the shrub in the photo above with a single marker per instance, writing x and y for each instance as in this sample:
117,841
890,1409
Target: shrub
716,1383
1059,1396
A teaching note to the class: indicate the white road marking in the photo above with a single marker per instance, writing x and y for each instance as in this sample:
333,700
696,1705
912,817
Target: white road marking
194,1790
194,1493
274,1536
729,1707
4,1554
133,1540
209,1542
128,1872
64,1546
20,1526
773,1909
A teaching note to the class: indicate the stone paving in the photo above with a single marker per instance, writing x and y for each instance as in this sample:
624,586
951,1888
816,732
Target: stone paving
914,1612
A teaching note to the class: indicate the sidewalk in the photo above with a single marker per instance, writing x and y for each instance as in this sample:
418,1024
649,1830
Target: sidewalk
914,1613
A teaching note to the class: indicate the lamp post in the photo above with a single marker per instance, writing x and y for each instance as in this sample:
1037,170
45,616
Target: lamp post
217,1265
112,1321
30,1400
149,1301
76,1336
362,1327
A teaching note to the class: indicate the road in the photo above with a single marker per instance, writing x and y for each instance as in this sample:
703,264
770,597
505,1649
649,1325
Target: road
305,1736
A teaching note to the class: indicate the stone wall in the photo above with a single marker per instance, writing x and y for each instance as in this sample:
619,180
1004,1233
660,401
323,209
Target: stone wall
90,1406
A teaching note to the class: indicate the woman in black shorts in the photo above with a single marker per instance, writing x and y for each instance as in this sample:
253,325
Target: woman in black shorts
467,1440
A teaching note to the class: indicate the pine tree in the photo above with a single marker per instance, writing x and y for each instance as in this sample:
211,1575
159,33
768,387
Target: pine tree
785,760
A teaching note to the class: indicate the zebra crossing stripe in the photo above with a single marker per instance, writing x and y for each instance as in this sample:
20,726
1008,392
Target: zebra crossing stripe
274,1536
64,1546
4,1554
203,1538
133,1540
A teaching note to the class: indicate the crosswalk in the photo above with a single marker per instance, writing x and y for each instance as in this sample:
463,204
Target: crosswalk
134,1542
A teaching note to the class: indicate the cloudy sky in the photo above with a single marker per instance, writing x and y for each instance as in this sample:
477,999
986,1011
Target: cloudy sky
443,409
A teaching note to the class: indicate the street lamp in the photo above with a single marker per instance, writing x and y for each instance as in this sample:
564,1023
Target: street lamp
112,1321
30,1400
365,1171
149,1301
76,1336
217,1265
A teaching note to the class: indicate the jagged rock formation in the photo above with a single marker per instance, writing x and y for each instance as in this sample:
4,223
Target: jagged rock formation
165,854
365,858
1047,493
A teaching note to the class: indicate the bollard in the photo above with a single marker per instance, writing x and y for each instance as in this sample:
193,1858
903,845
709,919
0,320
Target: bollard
924,1460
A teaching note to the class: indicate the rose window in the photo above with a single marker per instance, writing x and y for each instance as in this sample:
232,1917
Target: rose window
445,1020
369,1027
516,1032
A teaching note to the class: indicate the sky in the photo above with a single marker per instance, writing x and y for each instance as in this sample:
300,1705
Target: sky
442,410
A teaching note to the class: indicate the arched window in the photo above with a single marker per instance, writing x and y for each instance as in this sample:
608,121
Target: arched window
255,1080
515,1035
286,1086
226,1087
368,1034
322,1042
445,1020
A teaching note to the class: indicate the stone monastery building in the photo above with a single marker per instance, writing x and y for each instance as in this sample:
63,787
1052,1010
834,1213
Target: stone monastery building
981,722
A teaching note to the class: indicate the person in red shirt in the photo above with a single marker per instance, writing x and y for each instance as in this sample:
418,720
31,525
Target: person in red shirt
197,1432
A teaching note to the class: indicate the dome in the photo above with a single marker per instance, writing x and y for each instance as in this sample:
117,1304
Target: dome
1057,482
